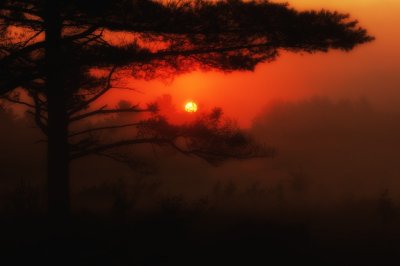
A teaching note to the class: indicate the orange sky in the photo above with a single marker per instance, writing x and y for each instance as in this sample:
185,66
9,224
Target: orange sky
371,71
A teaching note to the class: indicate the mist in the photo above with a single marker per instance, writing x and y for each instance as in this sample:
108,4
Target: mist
333,181
328,152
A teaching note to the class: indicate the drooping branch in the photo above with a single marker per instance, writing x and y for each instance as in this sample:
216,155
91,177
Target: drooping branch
102,129
21,52
17,101
82,34
211,156
118,144
106,88
31,38
103,111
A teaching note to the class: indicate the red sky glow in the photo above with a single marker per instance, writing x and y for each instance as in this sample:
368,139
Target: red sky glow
370,71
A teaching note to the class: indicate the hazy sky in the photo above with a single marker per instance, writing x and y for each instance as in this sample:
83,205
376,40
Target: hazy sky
371,70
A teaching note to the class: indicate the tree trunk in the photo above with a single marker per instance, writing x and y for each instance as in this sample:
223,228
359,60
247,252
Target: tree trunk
57,152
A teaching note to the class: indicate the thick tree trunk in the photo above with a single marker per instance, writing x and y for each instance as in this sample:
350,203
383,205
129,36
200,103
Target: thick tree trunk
57,155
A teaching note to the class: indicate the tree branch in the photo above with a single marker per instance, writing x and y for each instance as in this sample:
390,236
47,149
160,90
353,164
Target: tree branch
165,53
39,45
29,11
36,34
97,96
16,82
4,97
103,111
33,24
82,34
102,128
118,144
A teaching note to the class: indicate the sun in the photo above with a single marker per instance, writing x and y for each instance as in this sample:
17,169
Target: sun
191,107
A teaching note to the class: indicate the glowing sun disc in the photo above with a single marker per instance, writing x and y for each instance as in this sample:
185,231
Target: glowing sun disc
191,107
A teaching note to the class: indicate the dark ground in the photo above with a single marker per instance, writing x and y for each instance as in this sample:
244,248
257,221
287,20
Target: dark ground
197,233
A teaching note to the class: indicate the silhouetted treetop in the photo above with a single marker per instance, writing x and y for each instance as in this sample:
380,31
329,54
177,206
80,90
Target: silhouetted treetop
170,37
